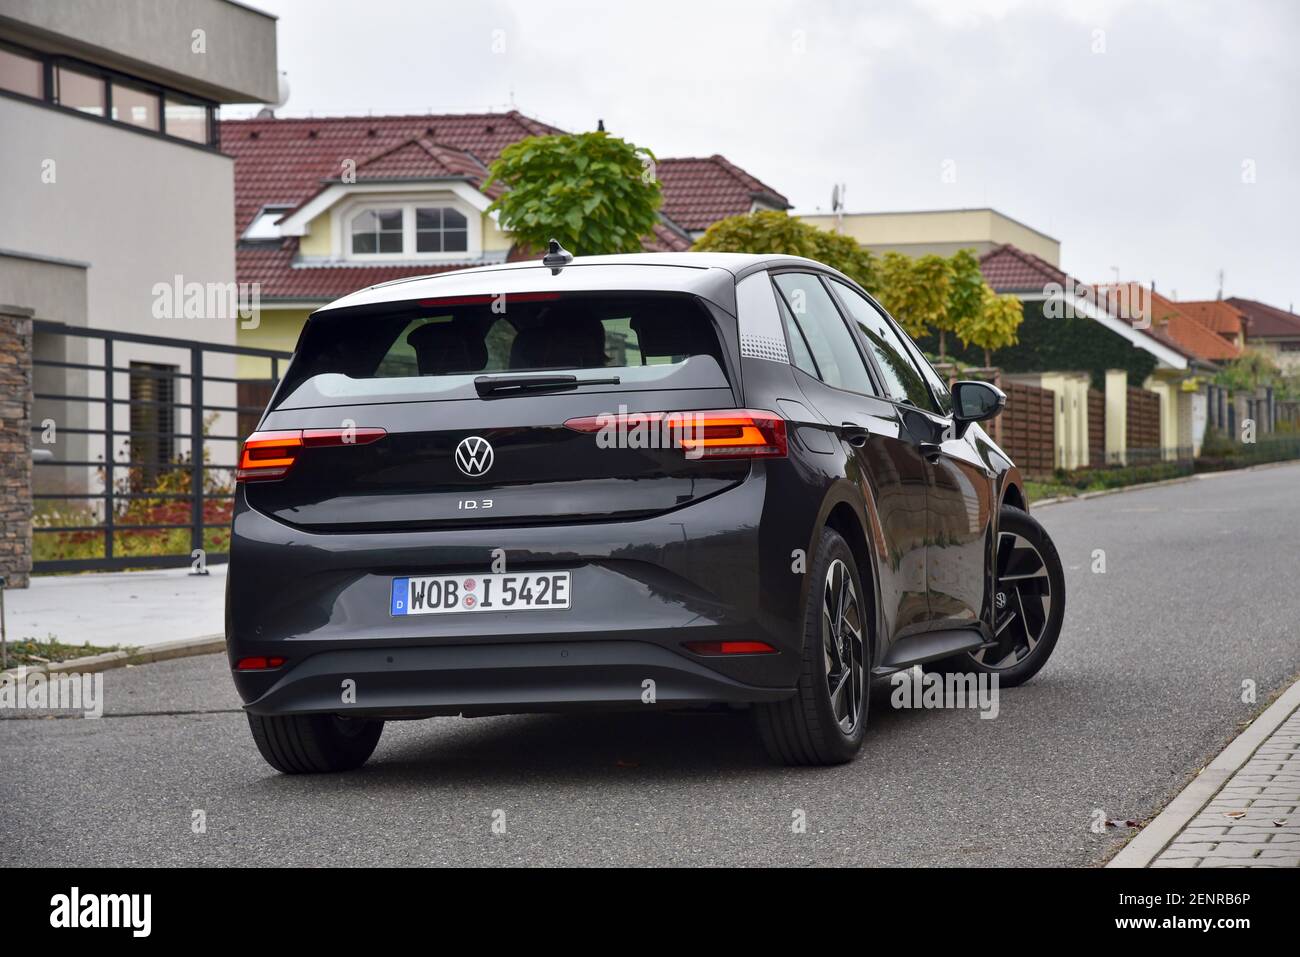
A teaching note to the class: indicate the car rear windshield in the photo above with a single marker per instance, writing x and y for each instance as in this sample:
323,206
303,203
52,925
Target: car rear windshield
523,333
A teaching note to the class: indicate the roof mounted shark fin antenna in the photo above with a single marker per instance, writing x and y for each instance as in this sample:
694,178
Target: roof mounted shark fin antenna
557,257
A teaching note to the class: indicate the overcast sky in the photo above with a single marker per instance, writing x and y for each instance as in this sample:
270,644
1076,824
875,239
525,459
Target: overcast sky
1129,131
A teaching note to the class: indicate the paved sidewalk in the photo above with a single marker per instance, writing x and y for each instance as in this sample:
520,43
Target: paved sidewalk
132,609
1254,819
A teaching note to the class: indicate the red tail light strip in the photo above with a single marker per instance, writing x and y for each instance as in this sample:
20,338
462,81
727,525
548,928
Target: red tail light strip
713,433
731,647
270,455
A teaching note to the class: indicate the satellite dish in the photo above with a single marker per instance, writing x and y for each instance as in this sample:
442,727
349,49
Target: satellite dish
282,97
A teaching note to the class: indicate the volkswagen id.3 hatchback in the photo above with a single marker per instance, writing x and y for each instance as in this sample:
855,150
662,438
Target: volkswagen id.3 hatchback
621,482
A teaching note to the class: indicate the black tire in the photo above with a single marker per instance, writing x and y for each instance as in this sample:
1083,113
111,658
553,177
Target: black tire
805,729
314,743
1010,669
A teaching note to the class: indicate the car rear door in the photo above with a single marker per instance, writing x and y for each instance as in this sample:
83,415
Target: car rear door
834,376
961,495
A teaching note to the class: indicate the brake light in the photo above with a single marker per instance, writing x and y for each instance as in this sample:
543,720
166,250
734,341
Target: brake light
713,434
270,455
731,647
258,663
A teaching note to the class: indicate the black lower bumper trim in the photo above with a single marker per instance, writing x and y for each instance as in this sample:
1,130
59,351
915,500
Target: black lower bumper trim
501,679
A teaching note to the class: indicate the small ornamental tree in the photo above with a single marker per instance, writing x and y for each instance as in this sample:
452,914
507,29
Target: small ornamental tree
995,326
776,232
595,193
966,292
915,291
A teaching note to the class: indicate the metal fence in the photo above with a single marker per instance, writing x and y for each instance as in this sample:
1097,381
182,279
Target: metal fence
112,500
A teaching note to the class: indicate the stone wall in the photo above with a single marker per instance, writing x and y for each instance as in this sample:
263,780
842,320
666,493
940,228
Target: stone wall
15,445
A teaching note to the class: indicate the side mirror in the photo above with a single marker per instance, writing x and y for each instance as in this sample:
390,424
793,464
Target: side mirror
975,401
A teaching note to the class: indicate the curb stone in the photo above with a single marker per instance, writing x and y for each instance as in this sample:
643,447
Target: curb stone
1188,803
1198,477
163,651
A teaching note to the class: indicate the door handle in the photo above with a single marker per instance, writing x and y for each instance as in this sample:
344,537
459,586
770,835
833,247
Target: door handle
854,434
931,451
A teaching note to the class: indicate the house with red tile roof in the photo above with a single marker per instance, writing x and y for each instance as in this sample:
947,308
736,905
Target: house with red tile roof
1220,316
326,206
1273,330
1122,335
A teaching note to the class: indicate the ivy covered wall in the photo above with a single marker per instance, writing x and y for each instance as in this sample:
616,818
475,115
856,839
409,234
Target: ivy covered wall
1058,345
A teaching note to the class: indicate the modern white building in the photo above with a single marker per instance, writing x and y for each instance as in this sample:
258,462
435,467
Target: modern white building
114,193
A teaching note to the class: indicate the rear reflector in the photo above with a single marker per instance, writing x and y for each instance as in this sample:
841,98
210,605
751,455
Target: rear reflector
269,455
712,434
258,663
731,647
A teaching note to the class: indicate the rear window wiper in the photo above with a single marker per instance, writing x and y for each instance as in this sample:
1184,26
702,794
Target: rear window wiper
519,384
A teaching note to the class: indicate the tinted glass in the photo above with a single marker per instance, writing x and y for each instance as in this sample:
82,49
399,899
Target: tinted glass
829,340
626,331
80,91
20,74
799,353
135,106
189,121
902,378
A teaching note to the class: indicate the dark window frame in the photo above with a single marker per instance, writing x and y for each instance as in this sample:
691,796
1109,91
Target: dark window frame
107,76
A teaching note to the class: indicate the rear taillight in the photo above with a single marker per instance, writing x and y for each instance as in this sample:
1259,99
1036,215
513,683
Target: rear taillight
270,455
712,434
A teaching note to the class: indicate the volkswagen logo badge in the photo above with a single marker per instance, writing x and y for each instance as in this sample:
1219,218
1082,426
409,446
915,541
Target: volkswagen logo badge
474,456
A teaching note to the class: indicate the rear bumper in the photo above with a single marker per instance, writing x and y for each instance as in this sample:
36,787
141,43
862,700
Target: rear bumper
500,679
716,570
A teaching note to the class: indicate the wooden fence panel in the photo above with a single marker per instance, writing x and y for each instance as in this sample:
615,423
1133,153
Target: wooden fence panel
1028,428
1096,428
1143,433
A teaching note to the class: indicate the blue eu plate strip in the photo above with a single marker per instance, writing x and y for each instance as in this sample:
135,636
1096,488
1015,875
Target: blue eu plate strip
400,587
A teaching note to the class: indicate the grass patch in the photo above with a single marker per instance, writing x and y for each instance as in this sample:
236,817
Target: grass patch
33,651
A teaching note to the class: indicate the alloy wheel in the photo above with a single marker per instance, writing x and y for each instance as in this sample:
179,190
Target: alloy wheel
1022,603
842,644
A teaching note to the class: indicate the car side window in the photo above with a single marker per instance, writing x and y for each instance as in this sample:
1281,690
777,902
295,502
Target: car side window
938,388
799,354
826,337
902,377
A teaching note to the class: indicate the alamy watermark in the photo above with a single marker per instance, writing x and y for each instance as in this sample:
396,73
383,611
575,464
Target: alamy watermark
931,690
1128,301
23,690
179,299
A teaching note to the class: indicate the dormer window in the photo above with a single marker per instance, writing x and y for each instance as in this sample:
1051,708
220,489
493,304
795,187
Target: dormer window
441,229
377,231
406,228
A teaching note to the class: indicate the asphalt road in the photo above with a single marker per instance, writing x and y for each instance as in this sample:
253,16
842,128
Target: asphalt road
1198,596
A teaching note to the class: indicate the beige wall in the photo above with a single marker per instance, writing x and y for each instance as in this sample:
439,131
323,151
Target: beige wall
153,39
278,329
940,231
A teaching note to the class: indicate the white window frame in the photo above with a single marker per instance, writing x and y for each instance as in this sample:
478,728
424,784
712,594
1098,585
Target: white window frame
408,203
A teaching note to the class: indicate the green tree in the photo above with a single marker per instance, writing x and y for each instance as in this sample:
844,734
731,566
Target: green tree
915,291
595,193
994,325
966,296
777,232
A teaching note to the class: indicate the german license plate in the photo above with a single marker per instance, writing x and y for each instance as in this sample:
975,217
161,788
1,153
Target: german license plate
444,594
